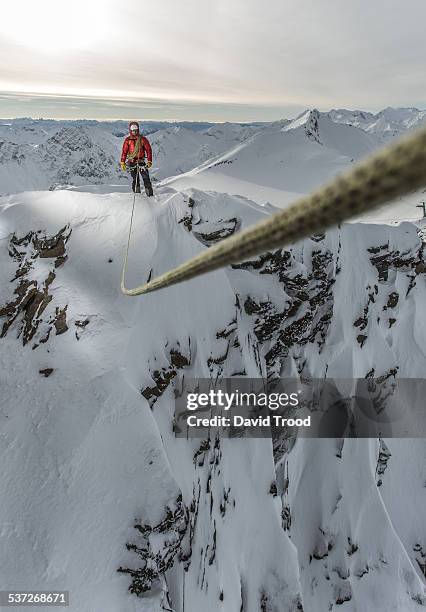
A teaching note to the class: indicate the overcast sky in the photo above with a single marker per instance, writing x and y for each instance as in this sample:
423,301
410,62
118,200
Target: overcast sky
209,59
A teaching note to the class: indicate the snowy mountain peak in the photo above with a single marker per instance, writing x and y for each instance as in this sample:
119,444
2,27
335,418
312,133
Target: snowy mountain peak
386,124
309,119
71,138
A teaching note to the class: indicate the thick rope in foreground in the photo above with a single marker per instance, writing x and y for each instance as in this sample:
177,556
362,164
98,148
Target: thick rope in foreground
390,173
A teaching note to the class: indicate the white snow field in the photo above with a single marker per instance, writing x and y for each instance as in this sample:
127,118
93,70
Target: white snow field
93,479
282,162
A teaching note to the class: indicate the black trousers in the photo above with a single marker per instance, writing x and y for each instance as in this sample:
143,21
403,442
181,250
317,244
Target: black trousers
136,184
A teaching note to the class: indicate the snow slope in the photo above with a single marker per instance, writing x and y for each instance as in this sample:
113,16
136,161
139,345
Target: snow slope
283,161
178,149
86,410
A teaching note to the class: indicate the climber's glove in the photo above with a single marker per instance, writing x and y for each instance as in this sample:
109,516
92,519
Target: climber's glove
123,166
148,163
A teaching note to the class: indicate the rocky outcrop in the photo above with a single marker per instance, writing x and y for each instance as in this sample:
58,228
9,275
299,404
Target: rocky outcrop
157,547
32,291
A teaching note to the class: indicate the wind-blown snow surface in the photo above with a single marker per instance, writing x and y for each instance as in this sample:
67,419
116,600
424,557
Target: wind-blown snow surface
86,411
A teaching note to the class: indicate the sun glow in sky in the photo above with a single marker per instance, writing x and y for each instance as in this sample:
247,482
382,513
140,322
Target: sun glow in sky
280,56
53,25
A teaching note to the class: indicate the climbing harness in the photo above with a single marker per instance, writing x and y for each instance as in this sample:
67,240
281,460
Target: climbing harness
390,173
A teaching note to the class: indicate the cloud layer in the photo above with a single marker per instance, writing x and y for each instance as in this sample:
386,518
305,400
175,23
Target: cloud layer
280,54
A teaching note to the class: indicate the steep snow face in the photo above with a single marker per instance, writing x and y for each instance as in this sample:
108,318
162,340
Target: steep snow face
178,149
386,124
279,163
89,460
92,462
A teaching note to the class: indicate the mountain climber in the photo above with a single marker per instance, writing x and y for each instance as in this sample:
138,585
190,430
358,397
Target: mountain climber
137,153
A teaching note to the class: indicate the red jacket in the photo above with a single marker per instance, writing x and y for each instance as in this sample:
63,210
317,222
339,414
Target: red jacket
129,146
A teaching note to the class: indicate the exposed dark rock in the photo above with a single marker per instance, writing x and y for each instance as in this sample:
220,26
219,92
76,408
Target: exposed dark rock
225,228
162,379
361,338
361,572
286,517
157,560
419,599
177,359
308,310
352,548
345,596
60,321
212,555
202,450
420,554
264,606
30,303
81,326
387,261
312,126
225,501
362,321
82,323
230,329
392,300
164,376
33,295
46,372
51,247
382,461
188,218
273,489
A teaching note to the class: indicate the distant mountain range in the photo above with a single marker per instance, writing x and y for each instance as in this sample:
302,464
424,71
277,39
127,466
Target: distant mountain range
46,154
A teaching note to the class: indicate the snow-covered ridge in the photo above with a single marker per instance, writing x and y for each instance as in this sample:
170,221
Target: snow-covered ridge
178,149
42,154
281,162
386,124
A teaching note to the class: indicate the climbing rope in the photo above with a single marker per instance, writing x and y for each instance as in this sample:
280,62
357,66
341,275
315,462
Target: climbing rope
135,153
390,173
123,274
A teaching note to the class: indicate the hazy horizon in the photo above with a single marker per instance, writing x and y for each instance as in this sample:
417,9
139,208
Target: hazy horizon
198,60
54,104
